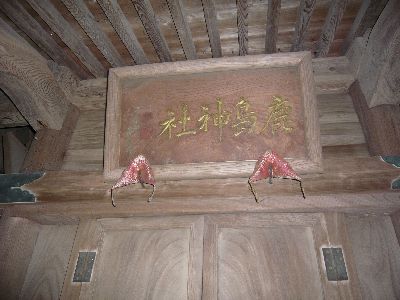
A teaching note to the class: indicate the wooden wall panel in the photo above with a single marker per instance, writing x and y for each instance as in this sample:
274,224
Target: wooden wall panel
155,258
45,275
377,256
17,241
263,263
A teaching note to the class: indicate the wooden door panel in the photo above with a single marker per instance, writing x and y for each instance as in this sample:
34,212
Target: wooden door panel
149,264
272,256
140,258
260,263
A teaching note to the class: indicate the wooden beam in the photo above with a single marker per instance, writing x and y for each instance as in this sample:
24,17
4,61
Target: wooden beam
18,14
366,18
381,124
379,71
90,202
124,30
9,114
305,11
29,83
182,28
69,36
210,15
332,21
88,23
242,23
271,36
150,24
49,146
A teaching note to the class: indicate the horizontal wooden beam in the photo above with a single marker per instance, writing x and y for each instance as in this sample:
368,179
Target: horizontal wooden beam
124,30
18,14
377,203
150,24
88,23
68,35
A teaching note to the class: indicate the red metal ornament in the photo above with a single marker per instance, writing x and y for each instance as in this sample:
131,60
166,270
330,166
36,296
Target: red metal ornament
139,171
271,165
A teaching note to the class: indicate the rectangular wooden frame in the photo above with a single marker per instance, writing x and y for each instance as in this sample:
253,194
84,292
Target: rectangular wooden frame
230,169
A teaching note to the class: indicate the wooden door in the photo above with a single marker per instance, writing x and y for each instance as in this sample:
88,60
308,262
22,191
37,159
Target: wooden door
271,256
139,258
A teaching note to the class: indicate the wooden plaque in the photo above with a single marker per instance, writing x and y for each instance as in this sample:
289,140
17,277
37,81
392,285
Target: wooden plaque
213,118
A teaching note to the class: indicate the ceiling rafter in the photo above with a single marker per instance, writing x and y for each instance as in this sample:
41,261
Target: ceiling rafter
182,28
124,30
150,24
332,21
305,11
242,24
18,14
88,23
68,35
210,16
271,36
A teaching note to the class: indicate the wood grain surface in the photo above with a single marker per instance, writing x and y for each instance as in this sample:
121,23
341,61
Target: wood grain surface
87,21
152,258
377,256
251,262
121,25
45,275
56,21
17,241
150,23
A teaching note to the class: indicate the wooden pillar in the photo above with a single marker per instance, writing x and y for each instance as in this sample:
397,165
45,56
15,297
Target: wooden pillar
26,78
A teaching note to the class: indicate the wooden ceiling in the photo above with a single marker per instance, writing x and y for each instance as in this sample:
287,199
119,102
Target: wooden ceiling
90,36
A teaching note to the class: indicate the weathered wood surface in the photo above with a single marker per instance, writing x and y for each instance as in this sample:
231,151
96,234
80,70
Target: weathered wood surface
377,256
150,23
127,23
271,35
122,27
56,22
305,11
381,124
182,28
9,114
49,146
379,72
242,24
332,21
19,15
44,277
29,83
17,241
87,21
365,19
210,16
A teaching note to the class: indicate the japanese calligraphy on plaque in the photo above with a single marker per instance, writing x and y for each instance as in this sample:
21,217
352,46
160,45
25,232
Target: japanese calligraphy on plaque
212,115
